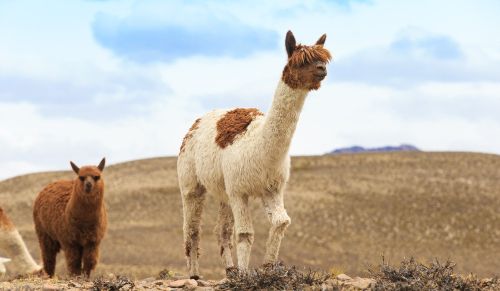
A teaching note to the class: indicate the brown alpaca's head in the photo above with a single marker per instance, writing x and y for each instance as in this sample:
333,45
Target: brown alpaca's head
306,66
89,178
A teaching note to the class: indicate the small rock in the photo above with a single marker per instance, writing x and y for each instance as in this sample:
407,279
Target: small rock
183,283
49,287
223,281
361,283
203,283
343,277
149,279
191,282
204,288
75,284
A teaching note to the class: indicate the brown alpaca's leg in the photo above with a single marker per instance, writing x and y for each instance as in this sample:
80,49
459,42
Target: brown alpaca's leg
90,258
279,222
244,229
49,249
73,255
192,201
224,232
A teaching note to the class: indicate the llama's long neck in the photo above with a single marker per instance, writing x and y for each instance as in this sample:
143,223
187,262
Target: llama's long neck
13,247
83,207
281,122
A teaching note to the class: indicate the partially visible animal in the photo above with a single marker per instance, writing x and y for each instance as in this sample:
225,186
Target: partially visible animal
12,245
71,215
2,266
241,154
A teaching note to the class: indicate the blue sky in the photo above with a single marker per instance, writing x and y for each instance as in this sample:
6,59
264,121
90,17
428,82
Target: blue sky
125,79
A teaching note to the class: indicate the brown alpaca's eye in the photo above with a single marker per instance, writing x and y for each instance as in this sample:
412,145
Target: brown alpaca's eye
81,178
96,178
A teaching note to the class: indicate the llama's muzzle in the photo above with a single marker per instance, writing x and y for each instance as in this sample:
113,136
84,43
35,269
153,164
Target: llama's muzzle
88,187
320,73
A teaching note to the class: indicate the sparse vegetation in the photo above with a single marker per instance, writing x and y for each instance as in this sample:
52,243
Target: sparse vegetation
274,277
412,275
165,274
114,284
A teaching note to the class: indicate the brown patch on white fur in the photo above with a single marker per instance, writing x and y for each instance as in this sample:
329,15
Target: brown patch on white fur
5,222
233,123
189,134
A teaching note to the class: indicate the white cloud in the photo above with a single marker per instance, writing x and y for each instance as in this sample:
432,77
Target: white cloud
149,107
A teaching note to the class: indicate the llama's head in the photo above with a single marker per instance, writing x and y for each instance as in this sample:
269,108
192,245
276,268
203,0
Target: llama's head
89,178
306,66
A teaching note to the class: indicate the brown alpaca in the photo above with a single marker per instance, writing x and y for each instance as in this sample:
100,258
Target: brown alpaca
70,214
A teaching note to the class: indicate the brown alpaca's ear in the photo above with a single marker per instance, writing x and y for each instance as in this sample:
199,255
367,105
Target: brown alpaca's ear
102,164
290,43
321,40
75,168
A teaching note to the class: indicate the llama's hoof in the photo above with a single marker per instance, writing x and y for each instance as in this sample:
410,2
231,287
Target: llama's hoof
195,277
231,272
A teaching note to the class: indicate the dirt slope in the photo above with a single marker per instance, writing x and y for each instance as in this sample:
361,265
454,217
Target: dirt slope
346,211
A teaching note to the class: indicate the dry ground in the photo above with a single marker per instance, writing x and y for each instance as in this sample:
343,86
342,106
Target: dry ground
346,211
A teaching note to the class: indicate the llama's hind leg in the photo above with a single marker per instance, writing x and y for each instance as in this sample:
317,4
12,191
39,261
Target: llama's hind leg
280,220
224,232
243,227
73,256
49,249
192,202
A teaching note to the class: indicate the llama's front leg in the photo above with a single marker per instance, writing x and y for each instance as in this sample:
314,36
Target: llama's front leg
192,202
90,258
73,254
280,220
244,229
224,232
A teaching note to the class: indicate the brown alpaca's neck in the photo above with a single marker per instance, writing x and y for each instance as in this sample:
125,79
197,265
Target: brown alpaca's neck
84,207
281,121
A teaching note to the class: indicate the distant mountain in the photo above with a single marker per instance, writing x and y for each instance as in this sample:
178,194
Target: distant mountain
359,149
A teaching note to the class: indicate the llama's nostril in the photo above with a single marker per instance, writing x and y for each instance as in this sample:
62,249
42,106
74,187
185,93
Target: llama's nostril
321,67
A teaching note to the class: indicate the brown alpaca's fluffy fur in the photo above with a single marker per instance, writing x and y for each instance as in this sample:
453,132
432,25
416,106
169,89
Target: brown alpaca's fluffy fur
233,123
71,215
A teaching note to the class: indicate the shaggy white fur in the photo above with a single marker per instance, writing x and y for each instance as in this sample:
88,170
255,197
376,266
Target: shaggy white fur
2,266
255,165
12,245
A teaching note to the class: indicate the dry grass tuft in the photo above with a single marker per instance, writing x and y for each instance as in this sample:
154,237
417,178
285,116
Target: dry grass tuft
412,275
115,284
274,277
165,274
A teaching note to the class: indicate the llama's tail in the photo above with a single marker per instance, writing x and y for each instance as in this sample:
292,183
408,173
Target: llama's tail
12,245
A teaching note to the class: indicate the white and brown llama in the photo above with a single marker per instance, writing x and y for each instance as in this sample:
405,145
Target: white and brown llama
241,154
12,245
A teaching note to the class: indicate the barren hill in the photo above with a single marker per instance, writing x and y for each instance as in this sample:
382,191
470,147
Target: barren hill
346,210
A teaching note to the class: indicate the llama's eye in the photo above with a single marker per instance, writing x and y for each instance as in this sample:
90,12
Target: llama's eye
96,178
81,178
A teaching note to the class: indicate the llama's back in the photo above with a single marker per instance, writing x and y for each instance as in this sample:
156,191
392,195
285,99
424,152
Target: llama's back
49,207
212,138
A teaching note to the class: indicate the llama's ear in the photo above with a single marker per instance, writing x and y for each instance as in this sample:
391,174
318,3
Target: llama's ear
321,40
290,43
102,164
75,168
